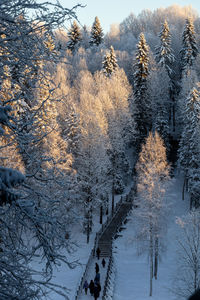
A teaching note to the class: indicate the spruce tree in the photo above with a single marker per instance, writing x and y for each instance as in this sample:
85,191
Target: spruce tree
74,36
189,50
189,151
109,62
164,55
142,112
96,33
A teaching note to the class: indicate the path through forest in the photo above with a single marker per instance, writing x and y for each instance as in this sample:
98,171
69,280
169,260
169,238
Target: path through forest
91,275
132,278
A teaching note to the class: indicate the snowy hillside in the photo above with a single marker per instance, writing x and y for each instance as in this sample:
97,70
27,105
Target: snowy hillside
132,279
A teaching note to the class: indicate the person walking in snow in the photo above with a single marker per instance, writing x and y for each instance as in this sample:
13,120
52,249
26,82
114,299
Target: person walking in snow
97,268
85,286
97,289
97,278
103,263
91,287
98,252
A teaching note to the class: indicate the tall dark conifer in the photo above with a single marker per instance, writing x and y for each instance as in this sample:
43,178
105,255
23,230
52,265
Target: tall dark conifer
189,50
74,36
164,55
142,113
189,151
96,33
109,62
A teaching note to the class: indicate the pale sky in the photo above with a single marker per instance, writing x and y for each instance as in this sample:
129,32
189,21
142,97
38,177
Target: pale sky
115,11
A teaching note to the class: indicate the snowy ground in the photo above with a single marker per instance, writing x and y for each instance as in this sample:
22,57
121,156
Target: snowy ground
70,278
132,275
132,278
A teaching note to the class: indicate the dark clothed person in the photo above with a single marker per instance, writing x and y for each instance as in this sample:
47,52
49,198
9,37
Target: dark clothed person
97,289
103,263
98,252
91,287
195,296
97,278
97,268
85,286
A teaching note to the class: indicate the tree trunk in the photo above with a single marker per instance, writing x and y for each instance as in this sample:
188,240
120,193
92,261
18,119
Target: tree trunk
183,189
113,197
89,223
101,215
156,259
174,120
151,261
88,230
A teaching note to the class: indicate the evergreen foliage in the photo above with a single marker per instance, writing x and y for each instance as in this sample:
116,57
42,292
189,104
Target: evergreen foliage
189,49
109,62
189,151
164,55
142,114
96,33
74,36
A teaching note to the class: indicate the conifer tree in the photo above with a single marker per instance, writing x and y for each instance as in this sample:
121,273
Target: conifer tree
164,55
142,112
109,62
189,151
189,50
74,36
96,33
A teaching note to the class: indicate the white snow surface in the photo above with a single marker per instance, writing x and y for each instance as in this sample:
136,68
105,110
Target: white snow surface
132,271
132,278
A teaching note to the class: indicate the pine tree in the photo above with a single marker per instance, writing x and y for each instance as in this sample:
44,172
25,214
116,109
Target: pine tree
96,33
109,62
142,113
189,50
74,36
164,55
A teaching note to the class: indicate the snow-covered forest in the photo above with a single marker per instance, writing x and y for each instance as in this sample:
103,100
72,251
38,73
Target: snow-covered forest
85,115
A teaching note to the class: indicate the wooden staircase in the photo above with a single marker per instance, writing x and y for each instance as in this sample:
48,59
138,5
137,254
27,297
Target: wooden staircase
105,241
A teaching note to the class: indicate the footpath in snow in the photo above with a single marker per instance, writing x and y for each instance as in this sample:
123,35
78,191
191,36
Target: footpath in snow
91,275
132,278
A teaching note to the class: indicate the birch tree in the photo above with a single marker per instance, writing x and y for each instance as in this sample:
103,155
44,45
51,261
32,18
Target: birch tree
188,255
153,173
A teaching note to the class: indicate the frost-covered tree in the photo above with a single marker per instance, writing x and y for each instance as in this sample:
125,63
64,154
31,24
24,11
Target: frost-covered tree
109,62
188,81
164,55
32,221
189,151
159,92
74,36
142,105
91,159
96,33
115,93
189,49
188,259
153,173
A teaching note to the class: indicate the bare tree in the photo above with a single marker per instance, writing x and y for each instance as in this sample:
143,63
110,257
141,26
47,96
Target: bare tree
32,220
188,255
